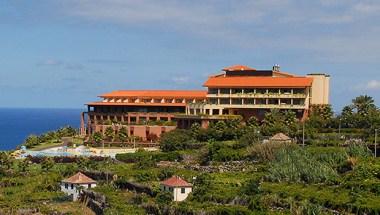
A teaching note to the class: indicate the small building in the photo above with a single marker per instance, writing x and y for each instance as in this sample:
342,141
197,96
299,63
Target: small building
179,187
73,185
280,138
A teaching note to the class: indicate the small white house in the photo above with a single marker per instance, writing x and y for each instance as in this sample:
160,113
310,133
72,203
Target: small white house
73,185
179,187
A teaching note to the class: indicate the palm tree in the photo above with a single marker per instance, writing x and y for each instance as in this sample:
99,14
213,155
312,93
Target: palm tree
97,137
109,134
122,135
363,104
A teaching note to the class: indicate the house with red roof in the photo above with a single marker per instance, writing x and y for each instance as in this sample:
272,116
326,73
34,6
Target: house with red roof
73,185
178,187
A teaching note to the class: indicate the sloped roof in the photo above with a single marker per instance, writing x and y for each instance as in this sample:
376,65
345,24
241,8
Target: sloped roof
280,137
254,81
157,93
136,104
238,68
79,178
176,181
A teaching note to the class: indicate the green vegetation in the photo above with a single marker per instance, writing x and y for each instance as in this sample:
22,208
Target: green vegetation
232,170
51,138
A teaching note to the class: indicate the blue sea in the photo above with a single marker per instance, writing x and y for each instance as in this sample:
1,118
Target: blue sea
16,123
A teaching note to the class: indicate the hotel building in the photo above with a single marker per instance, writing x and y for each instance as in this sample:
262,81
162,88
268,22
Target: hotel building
237,91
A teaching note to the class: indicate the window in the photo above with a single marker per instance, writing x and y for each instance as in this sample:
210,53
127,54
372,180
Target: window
183,190
66,185
72,186
89,185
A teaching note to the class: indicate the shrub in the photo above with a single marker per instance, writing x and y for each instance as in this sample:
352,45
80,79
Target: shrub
178,139
297,165
141,154
358,151
165,173
164,197
266,151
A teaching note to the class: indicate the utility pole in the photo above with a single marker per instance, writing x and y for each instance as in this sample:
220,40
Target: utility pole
340,126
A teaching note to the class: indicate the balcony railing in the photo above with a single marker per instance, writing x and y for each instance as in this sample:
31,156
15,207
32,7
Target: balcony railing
257,95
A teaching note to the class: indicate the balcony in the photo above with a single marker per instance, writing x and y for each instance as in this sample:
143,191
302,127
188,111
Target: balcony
253,106
257,95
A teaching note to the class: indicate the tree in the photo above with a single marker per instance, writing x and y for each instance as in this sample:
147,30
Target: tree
109,134
31,140
195,128
122,135
5,160
97,137
177,139
202,186
320,116
252,122
47,163
363,104
23,165
164,197
274,122
347,117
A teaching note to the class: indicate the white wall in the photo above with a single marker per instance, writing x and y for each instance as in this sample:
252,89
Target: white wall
74,190
178,196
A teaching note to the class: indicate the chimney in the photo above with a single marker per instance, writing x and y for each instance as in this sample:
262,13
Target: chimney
276,68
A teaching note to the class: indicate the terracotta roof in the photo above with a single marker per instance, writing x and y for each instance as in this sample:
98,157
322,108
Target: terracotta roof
157,93
136,104
79,178
253,81
285,74
176,181
238,68
280,137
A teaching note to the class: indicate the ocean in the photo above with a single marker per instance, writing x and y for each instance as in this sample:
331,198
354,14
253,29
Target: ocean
17,123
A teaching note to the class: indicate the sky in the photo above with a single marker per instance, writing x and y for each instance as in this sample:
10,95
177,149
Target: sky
62,54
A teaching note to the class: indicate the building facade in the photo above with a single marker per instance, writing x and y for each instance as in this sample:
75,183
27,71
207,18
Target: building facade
179,188
72,186
144,113
236,91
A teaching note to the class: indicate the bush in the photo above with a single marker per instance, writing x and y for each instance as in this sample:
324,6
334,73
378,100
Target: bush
141,154
177,139
358,151
297,165
164,197
266,151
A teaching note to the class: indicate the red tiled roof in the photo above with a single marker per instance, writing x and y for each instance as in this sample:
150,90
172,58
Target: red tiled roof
79,178
253,81
285,74
238,68
176,181
135,104
157,93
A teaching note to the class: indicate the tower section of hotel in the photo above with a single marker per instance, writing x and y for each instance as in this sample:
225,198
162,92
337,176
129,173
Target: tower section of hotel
142,112
243,91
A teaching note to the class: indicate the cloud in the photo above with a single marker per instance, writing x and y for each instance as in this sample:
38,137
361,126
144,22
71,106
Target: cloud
181,80
61,64
373,85
50,62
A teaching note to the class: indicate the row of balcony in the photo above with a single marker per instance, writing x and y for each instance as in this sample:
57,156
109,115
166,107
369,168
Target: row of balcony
257,95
